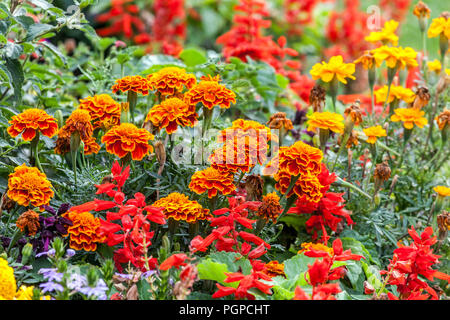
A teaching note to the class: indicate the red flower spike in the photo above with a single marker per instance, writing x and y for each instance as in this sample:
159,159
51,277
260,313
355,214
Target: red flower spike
175,260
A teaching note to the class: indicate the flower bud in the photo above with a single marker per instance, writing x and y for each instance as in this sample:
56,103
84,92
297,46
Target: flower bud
59,118
26,253
160,152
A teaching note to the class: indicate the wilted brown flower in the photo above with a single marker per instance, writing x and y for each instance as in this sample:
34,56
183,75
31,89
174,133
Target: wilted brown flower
279,120
28,222
352,139
443,119
354,113
443,221
317,98
421,98
421,10
160,152
270,207
382,171
254,187
6,203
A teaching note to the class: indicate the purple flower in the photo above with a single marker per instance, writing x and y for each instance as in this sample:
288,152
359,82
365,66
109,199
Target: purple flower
76,281
99,291
50,274
70,253
147,274
51,286
50,252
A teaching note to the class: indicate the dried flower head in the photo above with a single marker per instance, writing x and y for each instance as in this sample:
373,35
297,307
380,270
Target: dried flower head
254,187
31,122
421,98
354,112
443,119
28,222
317,98
443,221
279,120
382,171
270,207
421,10
367,60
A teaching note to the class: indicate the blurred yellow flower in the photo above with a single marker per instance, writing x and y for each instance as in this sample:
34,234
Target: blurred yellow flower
373,133
443,191
386,35
434,65
395,57
334,68
326,120
367,60
439,26
396,92
409,117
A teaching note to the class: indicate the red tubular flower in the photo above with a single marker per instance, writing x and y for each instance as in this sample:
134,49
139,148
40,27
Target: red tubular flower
175,260
246,282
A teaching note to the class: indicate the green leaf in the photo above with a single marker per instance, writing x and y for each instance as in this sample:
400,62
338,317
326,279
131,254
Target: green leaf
192,57
41,4
233,264
357,247
17,78
210,270
13,50
38,30
55,51
297,265
282,81
24,21
144,290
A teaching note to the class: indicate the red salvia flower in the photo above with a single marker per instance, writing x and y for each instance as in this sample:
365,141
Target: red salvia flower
246,282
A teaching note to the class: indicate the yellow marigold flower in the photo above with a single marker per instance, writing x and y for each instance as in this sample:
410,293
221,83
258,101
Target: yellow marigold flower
421,10
274,268
395,92
443,191
443,119
213,181
434,66
367,60
209,92
24,293
409,117
103,110
308,246
438,26
136,84
386,35
270,207
7,281
395,57
127,138
373,133
171,113
27,185
334,68
171,80
30,122
28,222
326,120
84,234
178,206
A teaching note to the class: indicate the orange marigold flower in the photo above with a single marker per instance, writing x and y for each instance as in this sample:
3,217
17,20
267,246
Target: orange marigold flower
274,268
136,84
171,113
30,122
409,117
127,138
308,246
178,206
443,191
300,158
213,181
85,232
326,120
171,80
373,133
209,92
307,186
421,10
443,119
27,185
367,60
270,207
28,222
104,110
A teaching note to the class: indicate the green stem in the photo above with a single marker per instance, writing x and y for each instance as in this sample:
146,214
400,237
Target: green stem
352,186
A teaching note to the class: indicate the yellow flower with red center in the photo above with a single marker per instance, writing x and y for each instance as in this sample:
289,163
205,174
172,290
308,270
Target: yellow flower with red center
307,185
395,57
326,120
274,268
373,133
84,233
171,113
209,92
367,60
270,207
443,119
386,35
335,68
103,110
7,281
31,122
28,222
213,181
434,66
395,92
136,84
171,80
308,246
409,117
178,206
127,138
27,185
438,26
443,191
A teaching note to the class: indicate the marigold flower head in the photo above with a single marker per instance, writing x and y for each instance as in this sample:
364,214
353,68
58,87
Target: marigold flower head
335,68
443,119
104,110
209,92
127,138
274,268
421,10
326,120
213,181
300,158
409,117
386,35
7,281
84,234
395,57
171,113
395,92
307,186
367,60
178,206
354,112
382,171
317,98
443,221
27,185
136,84
270,207
24,293
28,222
171,80
438,26
30,122
308,246
352,139
434,66
279,120
373,133
443,191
